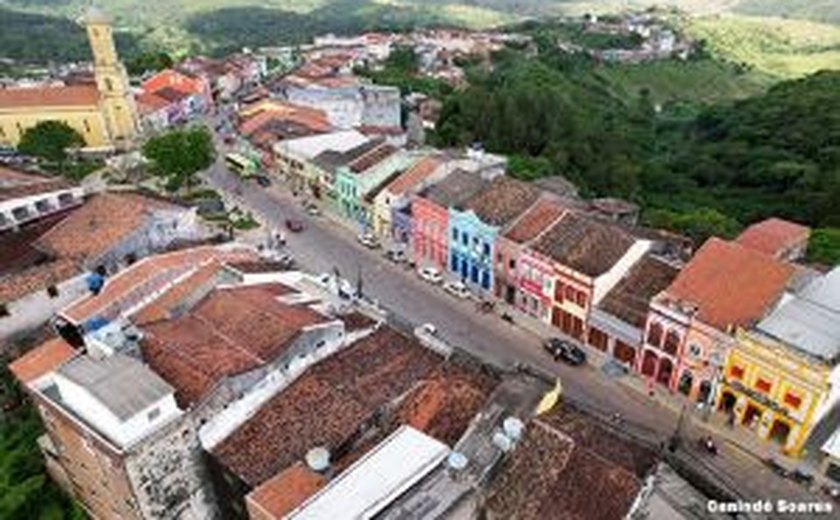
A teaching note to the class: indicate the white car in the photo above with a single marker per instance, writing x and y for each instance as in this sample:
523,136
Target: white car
368,240
431,275
429,328
313,210
457,289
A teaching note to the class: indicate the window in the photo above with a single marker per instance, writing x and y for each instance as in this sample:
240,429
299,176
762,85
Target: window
558,292
455,234
153,414
672,342
598,339
655,334
512,263
570,293
695,350
580,298
763,385
52,291
4,310
453,263
87,125
793,400
465,239
109,85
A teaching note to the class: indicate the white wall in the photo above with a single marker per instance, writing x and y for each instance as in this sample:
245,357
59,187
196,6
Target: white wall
605,282
7,206
35,309
100,417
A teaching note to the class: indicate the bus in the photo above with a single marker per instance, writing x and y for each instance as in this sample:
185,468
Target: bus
241,165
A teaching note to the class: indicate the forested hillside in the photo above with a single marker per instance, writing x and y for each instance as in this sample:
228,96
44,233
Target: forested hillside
698,170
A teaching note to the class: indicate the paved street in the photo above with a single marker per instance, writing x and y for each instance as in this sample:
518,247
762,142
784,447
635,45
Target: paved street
325,245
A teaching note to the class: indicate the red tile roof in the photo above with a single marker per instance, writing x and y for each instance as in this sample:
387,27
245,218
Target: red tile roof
99,225
774,236
534,221
284,492
729,284
70,96
33,188
41,360
149,102
372,158
414,176
504,200
36,278
149,275
567,466
168,303
630,299
584,244
327,405
268,111
229,332
175,80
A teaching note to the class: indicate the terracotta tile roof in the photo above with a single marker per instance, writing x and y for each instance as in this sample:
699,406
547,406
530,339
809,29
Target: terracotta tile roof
280,495
163,307
147,276
229,332
70,96
17,247
414,176
504,200
372,158
729,284
149,102
584,244
258,266
41,360
36,278
274,111
630,299
172,95
774,236
99,225
327,405
534,221
357,321
455,188
447,401
10,177
566,466
176,80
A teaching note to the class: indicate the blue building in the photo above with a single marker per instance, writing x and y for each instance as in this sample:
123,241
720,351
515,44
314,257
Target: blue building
474,226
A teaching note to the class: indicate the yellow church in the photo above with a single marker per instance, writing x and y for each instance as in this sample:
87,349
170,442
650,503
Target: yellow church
104,113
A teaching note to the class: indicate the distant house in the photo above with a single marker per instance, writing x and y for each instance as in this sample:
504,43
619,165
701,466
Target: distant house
171,97
397,194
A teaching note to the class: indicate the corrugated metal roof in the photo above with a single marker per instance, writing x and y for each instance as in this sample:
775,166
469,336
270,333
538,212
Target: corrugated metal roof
122,384
374,481
810,321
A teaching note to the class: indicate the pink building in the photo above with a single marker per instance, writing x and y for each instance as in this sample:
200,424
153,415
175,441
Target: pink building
430,216
689,325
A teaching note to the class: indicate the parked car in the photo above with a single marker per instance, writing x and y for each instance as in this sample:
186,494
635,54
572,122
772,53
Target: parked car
429,328
368,240
457,289
313,210
286,261
565,350
295,226
396,255
262,180
431,275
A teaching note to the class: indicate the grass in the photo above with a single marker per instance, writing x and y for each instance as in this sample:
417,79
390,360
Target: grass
778,47
705,81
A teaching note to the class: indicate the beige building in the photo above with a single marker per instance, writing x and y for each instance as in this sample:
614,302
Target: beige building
104,113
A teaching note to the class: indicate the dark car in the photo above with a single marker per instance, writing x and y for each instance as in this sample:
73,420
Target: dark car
263,181
295,226
568,352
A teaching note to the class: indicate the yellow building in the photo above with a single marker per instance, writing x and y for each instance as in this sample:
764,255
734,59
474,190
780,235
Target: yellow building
103,113
781,378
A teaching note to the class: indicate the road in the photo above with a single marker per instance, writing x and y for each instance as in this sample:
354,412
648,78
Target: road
326,245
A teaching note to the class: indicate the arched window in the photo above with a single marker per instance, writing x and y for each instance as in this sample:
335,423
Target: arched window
672,342
654,334
109,85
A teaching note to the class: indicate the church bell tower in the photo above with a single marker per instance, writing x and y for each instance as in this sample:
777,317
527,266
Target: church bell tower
116,101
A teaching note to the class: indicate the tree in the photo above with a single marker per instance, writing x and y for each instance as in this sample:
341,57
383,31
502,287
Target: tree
149,62
179,155
49,140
